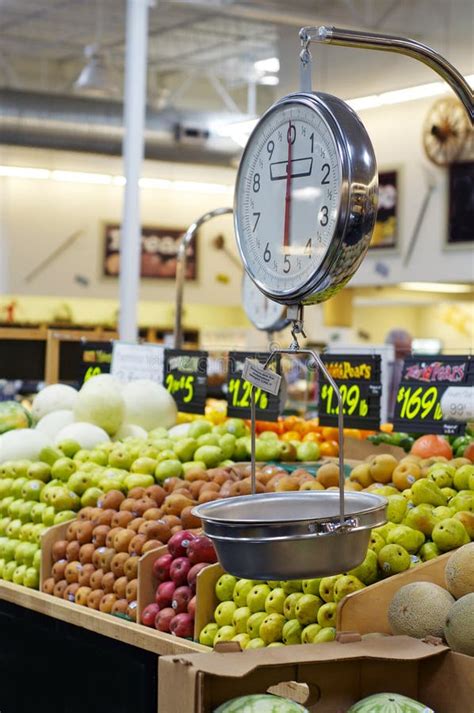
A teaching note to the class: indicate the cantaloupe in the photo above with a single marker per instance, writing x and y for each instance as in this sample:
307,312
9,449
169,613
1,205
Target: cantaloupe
459,628
459,572
420,609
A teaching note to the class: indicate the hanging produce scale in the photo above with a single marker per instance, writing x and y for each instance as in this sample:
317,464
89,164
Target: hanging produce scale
304,210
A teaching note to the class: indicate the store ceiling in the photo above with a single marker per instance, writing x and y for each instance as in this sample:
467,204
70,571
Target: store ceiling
201,52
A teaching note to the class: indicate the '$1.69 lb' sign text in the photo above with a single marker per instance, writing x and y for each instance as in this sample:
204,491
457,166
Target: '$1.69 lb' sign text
419,402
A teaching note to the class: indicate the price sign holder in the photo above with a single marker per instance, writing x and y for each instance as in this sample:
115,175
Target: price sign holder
358,378
185,377
96,358
267,405
424,381
137,361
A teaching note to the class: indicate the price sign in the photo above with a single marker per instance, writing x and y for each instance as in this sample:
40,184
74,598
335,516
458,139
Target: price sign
267,405
358,378
137,361
421,394
96,358
186,378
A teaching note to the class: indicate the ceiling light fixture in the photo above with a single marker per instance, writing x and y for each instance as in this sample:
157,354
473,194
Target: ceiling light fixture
272,64
270,80
453,287
95,78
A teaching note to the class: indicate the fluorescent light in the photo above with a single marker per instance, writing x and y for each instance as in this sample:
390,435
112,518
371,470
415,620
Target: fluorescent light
105,179
24,172
80,177
272,64
271,80
398,96
436,287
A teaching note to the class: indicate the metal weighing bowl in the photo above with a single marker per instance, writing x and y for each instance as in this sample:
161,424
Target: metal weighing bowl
292,535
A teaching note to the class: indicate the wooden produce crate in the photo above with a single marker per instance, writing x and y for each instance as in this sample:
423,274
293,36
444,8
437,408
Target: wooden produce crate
366,611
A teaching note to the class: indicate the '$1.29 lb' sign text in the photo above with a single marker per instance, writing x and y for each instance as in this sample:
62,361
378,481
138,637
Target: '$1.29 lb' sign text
240,391
353,403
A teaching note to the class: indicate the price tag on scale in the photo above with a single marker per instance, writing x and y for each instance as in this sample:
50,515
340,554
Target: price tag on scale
185,377
96,358
426,400
358,378
137,361
267,405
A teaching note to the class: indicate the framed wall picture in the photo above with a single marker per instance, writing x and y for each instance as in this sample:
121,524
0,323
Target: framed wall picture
461,204
385,233
159,248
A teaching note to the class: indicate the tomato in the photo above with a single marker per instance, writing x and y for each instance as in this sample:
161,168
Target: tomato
329,449
291,436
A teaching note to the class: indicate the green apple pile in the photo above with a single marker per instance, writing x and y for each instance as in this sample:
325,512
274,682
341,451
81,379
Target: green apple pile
261,614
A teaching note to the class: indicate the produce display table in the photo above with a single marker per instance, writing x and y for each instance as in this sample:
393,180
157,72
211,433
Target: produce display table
57,657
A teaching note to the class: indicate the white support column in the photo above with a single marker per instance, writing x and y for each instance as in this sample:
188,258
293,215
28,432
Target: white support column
134,123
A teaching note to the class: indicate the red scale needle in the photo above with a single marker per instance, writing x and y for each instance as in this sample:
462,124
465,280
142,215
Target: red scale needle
286,235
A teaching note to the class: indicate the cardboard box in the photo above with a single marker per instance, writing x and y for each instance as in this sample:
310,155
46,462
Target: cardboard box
336,675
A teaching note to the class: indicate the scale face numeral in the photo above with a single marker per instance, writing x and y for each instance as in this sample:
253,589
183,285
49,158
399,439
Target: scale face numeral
267,256
257,216
307,248
287,265
324,216
270,149
311,138
325,168
256,183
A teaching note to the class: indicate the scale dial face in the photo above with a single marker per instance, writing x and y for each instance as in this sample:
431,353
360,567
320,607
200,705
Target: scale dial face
292,198
265,314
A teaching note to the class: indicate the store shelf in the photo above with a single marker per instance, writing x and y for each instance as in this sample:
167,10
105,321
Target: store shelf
106,625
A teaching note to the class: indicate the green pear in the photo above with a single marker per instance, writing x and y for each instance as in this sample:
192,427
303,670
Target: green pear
145,466
37,511
20,468
384,529
327,614
38,530
307,608
429,551
289,607
309,633
5,485
376,542
18,574
271,627
241,589
393,559
346,585
13,528
256,643
396,508
326,634
17,486
39,471
5,505
291,632
63,468
169,468
225,587
138,480
449,534
257,596
311,586
467,519
291,585
253,624
185,449
243,639
208,634
411,540
49,455
90,497
236,426
47,518
420,518
208,439
8,570
225,633
227,444
442,512
240,618
275,601
64,516
462,476
120,458
367,571
25,511
224,614
31,578
464,500
425,491
326,588
242,449
199,428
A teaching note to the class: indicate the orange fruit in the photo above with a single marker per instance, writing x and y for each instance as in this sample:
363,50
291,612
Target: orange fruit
313,436
291,436
330,433
330,449
353,433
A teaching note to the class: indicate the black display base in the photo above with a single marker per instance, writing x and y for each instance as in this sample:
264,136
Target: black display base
49,666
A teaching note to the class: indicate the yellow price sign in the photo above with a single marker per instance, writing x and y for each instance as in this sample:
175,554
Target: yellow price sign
352,400
419,403
185,384
92,371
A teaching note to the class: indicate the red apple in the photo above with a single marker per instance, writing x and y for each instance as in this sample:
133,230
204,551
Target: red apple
181,598
182,625
192,607
201,549
161,567
179,570
164,594
149,614
179,542
193,573
163,619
